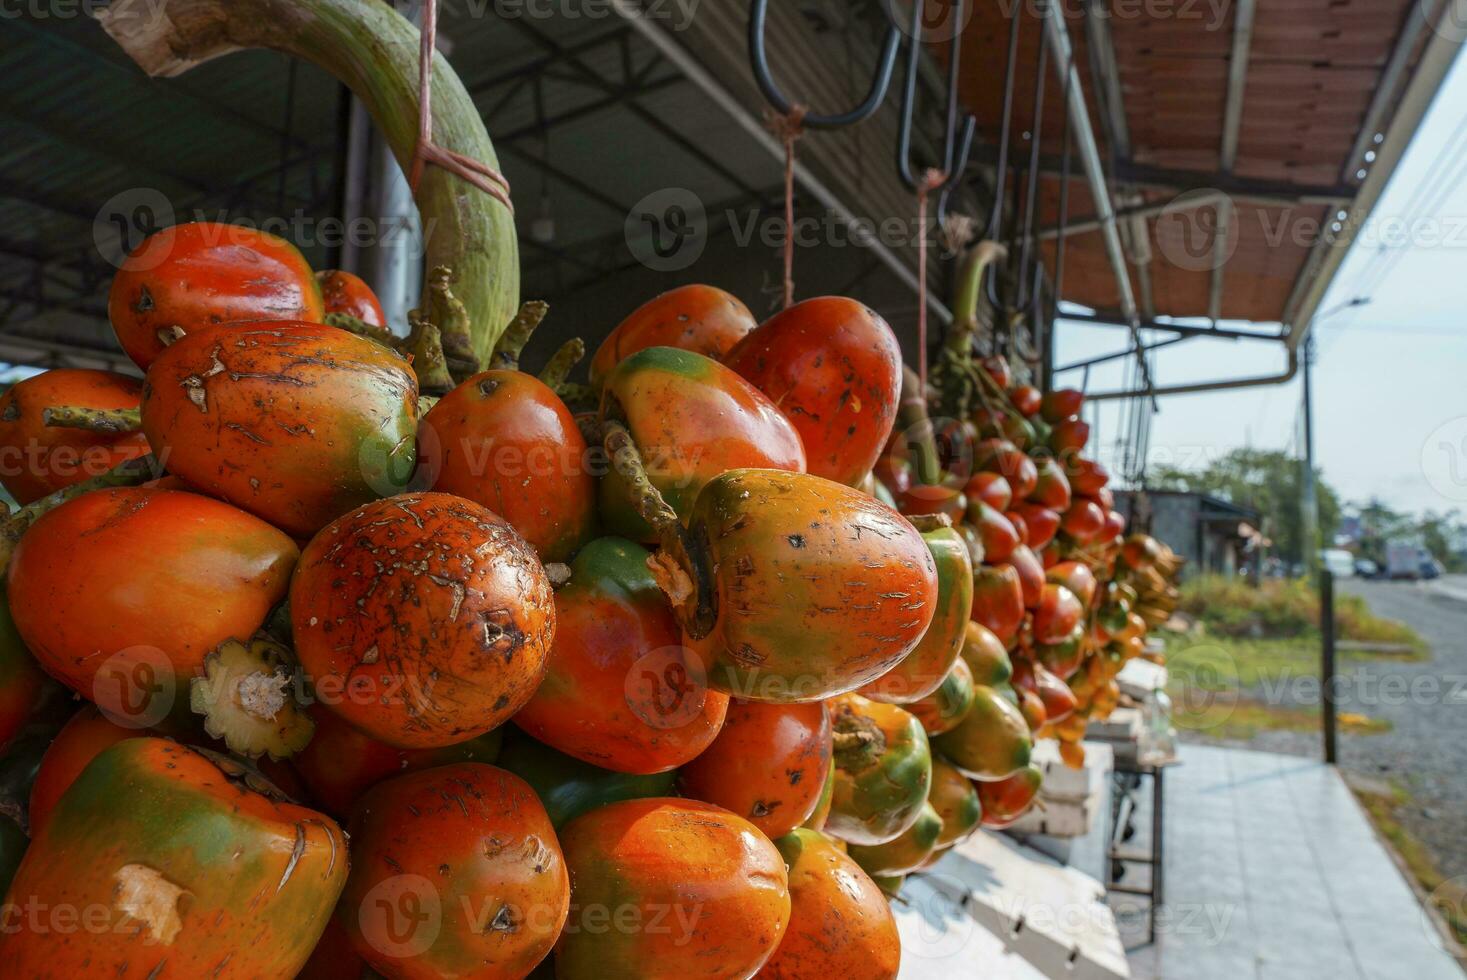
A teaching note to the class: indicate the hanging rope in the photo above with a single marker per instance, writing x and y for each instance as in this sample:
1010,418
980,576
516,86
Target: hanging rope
787,128
931,181
480,175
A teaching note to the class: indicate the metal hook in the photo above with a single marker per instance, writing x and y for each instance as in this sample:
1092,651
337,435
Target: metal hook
1027,272
955,149
995,214
759,59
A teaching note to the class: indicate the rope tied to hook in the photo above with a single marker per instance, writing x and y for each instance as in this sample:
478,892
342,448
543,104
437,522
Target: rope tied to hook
930,181
472,171
787,128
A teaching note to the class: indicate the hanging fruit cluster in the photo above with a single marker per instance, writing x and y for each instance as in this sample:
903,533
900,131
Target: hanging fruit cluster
390,662
431,686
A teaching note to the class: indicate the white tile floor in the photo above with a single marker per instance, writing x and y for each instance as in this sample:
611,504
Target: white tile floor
1273,871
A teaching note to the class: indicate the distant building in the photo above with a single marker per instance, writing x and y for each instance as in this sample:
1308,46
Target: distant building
1214,536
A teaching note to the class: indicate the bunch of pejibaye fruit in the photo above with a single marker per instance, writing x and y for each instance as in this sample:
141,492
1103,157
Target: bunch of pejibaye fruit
331,653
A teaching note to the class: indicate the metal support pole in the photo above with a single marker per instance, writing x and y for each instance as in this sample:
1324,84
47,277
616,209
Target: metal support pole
1308,499
1327,662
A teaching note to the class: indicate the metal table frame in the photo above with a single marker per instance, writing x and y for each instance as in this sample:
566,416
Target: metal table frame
1126,779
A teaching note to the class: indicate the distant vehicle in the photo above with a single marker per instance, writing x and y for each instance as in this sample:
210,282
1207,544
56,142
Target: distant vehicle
1365,568
1405,560
1431,568
1340,562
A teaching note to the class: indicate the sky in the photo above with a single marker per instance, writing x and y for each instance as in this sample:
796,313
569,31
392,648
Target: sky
1390,382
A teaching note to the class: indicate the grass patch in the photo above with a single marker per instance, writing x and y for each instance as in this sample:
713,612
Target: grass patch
1446,895
1219,663
1229,607
1241,720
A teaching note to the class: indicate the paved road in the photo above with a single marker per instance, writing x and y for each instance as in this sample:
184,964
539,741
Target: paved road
1427,748
1426,703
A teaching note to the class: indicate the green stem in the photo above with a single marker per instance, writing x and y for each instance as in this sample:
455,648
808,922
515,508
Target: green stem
916,429
374,50
968,290
559,367
507,352
106,421
126,474
682,568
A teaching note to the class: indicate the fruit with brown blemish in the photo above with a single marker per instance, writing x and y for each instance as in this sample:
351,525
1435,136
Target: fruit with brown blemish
37,458
815,589
691,418
713,886
505,440
188,865
470,841
840,923
834,367
346,293
923,670
702,319
203,273
423,619
770,764
295,422
620,690
883,770
340,763
122,593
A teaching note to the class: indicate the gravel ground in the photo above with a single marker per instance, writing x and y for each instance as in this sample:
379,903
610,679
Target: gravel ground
1426,703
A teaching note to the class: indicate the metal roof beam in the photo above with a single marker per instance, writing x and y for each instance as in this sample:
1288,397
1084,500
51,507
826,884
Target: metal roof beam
1057,37
1243,11
665,129
1276,193
1238,188
1442,47
1106,73
173,87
